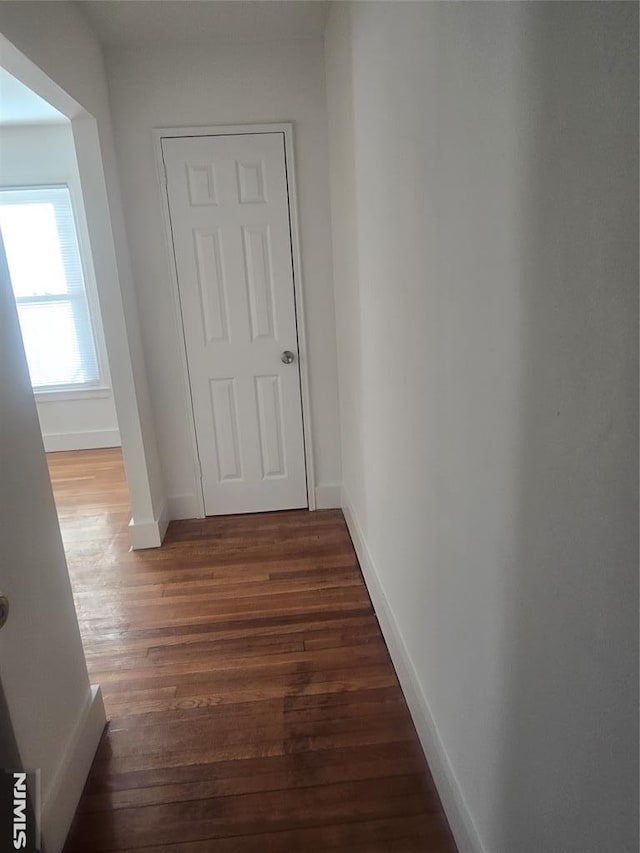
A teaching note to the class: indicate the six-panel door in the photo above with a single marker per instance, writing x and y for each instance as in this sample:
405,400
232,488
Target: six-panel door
229,212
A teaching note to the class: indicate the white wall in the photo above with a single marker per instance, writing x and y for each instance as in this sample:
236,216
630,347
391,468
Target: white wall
224,84
57,718
57,39
45,154
485,226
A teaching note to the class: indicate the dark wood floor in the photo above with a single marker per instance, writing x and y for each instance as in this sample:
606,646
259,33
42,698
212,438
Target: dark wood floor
252,703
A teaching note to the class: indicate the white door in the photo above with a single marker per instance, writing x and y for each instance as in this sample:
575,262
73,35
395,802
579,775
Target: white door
229,212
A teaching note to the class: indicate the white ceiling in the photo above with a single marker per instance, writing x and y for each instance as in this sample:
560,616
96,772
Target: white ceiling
149,22
19,105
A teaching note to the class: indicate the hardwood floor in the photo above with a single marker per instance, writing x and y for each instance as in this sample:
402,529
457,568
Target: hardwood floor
252,702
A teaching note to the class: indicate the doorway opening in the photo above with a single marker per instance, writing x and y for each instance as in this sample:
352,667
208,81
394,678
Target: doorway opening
46,241
47,245
89,389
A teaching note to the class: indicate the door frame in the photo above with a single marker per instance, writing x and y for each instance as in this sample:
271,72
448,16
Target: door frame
286,129
149,518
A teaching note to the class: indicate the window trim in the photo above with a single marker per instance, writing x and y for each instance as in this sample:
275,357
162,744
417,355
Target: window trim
62,393
69,391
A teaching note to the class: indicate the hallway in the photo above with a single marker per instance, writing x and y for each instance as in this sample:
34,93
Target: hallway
252,702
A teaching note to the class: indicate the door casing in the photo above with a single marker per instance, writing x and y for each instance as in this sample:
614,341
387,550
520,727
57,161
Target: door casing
236,130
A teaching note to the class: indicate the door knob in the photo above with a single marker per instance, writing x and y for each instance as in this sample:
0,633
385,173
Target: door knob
287,356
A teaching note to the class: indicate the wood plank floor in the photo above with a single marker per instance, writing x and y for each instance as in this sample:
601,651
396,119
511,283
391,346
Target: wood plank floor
252,702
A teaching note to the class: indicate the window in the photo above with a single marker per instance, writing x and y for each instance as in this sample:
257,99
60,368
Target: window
41,244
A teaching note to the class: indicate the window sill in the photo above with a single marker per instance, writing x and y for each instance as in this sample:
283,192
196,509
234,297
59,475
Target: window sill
63,395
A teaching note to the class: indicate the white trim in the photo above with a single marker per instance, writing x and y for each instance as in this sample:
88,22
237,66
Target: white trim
149,534
63,794
285,128
183,506
88,440
177,314
328,495
298,290
460,820
93,392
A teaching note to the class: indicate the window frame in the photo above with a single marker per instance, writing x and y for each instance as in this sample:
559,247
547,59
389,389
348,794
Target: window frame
97,387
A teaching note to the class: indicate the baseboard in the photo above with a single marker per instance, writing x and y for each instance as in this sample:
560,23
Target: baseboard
328,495
149,534
188,506
63,795
458,814
184,506
88,440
